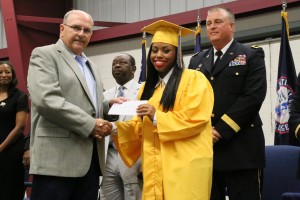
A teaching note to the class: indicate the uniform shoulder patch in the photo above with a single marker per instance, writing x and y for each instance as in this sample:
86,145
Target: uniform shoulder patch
256,47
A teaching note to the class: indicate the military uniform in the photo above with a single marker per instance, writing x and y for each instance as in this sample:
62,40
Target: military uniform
239,84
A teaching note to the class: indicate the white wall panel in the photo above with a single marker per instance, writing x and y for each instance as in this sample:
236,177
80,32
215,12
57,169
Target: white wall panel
146,9
118,10
161,8
79,4
225,1
211,2
3,43
132,10
192,4
105,10
177,6
92,7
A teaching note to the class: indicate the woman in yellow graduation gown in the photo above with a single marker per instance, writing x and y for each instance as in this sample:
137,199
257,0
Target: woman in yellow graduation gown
172,132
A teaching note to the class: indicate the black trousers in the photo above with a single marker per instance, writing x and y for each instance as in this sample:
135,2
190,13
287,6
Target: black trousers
237,184
12,171
68,188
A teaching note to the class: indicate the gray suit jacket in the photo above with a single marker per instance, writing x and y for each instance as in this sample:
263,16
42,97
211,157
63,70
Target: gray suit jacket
62,113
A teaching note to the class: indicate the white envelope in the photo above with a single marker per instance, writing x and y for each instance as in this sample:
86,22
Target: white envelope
126,108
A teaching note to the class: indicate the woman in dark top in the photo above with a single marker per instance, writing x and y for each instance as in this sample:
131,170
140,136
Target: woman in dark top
13,117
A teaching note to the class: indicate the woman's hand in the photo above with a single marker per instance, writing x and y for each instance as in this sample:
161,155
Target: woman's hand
146,110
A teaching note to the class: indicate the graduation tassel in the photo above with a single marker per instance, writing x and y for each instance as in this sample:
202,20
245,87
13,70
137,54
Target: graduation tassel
143,73
179,52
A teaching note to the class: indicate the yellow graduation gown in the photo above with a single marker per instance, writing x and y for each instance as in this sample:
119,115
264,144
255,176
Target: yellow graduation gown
176,153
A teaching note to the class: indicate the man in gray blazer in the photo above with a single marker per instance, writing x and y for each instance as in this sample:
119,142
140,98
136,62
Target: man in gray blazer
67,130
119,181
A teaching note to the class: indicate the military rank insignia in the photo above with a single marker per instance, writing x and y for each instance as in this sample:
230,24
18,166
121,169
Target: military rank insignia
255,47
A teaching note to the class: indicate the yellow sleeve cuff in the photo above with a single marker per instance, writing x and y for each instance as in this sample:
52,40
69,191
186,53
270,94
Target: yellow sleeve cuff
231,123
297,129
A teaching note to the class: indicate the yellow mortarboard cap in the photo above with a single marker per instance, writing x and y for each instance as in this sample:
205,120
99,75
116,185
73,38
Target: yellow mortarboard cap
166,32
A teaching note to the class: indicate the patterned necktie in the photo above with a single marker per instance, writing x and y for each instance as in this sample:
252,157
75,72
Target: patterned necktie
120,94
121,91
218,54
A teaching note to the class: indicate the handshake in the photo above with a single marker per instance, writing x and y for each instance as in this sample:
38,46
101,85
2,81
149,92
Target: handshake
102,129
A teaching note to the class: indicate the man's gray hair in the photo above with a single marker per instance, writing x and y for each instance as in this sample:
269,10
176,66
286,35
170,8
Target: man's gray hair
227,10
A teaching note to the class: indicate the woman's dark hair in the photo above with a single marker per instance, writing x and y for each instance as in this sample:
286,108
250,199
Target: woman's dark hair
14,82
169,95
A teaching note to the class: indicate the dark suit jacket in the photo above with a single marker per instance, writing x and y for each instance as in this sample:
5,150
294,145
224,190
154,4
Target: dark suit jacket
239,84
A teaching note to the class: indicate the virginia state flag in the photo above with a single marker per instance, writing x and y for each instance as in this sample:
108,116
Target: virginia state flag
286,84
143,72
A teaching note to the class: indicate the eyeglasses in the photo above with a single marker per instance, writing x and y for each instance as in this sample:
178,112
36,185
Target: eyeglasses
78,29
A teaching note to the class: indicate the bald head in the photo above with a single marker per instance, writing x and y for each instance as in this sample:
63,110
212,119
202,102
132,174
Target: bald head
123,68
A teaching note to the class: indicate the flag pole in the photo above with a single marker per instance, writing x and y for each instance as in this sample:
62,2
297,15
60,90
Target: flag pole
284,15
197,46
144,35
198,18
284,5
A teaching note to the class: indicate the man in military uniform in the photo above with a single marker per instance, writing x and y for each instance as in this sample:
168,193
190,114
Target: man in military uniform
237,74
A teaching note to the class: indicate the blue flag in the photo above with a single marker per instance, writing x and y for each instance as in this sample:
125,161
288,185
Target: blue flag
285,89
197,46
143,72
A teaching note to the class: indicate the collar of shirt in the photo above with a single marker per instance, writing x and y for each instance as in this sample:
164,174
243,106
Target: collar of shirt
164,80
224,49
83,56
126,86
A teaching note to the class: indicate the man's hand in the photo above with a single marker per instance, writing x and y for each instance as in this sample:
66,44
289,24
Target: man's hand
215,135
117,100
102,129
26,159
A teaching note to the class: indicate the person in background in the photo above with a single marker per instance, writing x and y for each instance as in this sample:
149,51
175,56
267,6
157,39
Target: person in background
172,131
119,181
26,163
26,154
67,146
13,117
294,120
237,74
